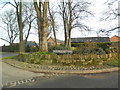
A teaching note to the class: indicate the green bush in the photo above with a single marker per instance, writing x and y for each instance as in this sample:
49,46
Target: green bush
92,47
42,53
60,47
115,47
12,48
105,46
31,49
15,48
27,49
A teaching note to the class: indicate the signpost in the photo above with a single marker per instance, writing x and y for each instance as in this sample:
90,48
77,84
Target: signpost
63,51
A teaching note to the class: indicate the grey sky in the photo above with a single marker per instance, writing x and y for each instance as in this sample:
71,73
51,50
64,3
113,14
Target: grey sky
98,7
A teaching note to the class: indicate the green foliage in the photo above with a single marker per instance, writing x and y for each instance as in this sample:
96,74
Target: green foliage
73,48
113,63
12,48
98,47
115,47
92,47
105,46
31,49
15,48
60,47
76,44
44,58
42,53
27,49
101,44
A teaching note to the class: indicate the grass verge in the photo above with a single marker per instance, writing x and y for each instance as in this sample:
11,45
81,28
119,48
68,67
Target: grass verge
113,63
9,57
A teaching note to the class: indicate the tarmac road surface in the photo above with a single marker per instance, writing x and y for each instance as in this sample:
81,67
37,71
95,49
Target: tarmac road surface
104,80
12,74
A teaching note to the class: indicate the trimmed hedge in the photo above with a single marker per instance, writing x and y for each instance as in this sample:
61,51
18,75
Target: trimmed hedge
60,47
100,44
92,47
14,48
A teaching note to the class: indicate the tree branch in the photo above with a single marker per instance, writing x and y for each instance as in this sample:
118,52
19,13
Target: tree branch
4,40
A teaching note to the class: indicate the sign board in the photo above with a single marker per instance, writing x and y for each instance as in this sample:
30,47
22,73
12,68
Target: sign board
62,51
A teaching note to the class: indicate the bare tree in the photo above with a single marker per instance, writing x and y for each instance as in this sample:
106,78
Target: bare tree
110,13
72,13
39,20
10,26
29,17
22,21
42,21
63,8
18,7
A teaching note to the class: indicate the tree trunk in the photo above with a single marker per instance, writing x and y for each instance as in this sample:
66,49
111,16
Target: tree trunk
65,23
21,44
69,41
39,32
38,11
69,23
65,32
42,22
45,28
55,39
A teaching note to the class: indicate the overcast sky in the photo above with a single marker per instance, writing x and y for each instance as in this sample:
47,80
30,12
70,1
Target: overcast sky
98,7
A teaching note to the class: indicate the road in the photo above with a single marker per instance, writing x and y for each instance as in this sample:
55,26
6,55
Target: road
11,74
106,80
6,54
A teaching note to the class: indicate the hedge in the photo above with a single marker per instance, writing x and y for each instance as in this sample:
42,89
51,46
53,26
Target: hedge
93,47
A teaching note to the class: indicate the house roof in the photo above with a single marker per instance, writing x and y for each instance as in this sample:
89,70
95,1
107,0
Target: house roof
90,39
31,43
115,38
58,41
